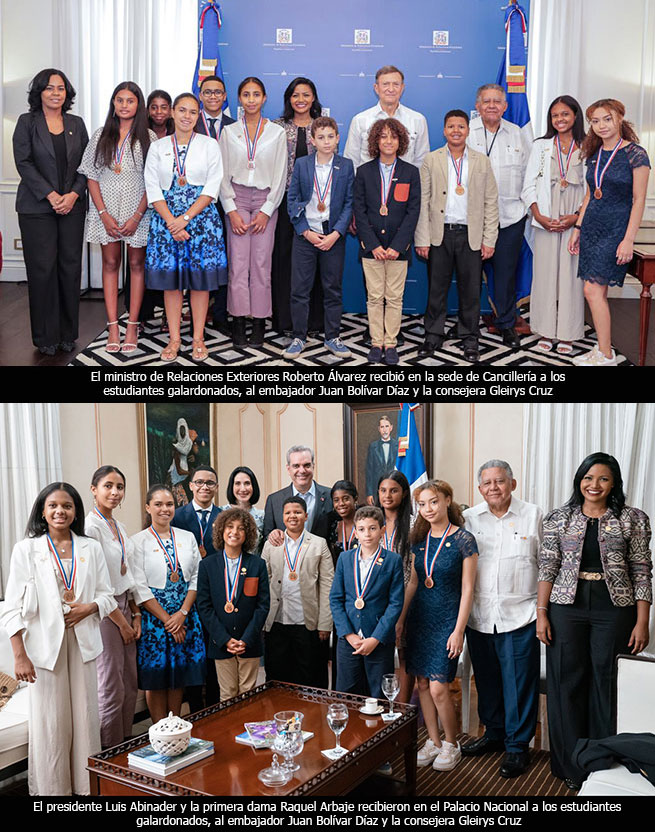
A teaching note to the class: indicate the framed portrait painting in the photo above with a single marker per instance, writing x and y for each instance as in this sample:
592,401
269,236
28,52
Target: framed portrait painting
371,442
174,440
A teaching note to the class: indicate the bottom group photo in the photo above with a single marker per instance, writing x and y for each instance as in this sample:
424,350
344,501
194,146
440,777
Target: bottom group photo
380,601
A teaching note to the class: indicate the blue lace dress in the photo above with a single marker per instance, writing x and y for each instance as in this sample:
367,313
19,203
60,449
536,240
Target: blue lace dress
162,663
433,613
199,263
606,220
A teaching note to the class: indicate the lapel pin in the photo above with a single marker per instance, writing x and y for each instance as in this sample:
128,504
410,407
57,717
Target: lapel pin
83,560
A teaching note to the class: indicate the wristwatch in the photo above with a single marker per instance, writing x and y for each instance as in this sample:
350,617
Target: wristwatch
186,218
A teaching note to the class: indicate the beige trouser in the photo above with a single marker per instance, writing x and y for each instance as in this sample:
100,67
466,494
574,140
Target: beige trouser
64,723
385,281
236,675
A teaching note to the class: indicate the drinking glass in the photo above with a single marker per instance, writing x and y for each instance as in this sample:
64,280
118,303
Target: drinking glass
289,737
390,688
337,719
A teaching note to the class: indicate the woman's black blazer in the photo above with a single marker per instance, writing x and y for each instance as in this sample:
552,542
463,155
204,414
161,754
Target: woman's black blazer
34,155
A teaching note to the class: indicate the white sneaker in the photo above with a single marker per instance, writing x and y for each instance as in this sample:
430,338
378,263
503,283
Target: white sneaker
427,754
584,359
595,358
449,756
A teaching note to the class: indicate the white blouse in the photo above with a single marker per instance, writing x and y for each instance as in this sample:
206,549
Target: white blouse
270,164
204,167
149,565
96,528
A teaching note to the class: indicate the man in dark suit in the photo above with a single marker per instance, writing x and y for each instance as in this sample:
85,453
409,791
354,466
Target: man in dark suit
198,518
380,458
212,120
300,465
320,207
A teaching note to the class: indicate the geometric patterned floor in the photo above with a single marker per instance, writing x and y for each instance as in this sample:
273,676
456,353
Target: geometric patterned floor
353,329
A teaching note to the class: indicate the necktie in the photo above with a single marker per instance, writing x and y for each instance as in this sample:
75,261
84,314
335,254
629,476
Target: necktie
212,127
203,522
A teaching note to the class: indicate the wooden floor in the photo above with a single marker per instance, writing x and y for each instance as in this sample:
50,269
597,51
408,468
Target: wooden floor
16,346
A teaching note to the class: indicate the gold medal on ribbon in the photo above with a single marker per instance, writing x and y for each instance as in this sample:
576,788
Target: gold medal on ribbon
123,569
359,603
181,181
459,190
118,168
202,551
175,577
429,582
383,210
598,194
229,607
293,576
321,206
69,595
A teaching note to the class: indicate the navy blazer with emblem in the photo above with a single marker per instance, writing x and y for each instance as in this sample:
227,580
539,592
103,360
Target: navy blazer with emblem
251,600
383,600
186,518
341,193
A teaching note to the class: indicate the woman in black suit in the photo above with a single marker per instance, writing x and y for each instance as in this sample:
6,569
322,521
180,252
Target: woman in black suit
51,207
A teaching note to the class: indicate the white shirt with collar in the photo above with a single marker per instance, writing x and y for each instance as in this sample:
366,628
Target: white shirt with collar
149,566
314,217
290,610
505,596
98,529
310,501
509,158
204,167
357,143
456,204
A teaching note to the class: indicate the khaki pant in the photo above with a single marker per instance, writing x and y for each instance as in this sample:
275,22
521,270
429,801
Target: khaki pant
385,281
236,675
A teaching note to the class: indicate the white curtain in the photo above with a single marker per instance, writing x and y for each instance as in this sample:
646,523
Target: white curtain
554,55
100,43
30,458
557,437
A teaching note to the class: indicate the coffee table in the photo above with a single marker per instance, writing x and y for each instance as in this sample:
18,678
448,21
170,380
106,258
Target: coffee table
233,768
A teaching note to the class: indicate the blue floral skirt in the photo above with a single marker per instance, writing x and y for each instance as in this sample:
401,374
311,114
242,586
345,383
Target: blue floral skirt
199,263
162,663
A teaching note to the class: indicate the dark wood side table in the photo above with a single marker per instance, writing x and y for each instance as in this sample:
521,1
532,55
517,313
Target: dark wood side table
233,768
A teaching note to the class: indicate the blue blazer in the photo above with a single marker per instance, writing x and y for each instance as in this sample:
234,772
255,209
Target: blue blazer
383,600
341,193
186,518
252,601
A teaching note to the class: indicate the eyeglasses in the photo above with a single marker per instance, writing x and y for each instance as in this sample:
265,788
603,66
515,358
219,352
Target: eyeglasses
213,93
208,483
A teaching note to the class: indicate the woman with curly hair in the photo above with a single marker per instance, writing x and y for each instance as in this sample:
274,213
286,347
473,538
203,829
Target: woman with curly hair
233,601
387,204
593,602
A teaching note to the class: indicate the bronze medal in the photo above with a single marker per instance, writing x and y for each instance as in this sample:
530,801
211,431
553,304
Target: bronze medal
598,194
459,190
293,576
251,165
117,168
321,206
383,210
202,551
181,181
69,595
429,582
175,577
229,607
359,603
563,183
123,569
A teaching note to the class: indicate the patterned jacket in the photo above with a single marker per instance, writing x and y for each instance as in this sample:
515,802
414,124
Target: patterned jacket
624,553
291,129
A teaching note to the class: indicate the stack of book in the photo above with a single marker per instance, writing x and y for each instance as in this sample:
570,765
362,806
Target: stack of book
147,759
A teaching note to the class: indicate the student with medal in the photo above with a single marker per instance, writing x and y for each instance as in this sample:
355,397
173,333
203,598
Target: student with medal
320,208
299,622
186,249
255,158
113,163
57,593
341,533
610,216
387,203
199,515
437,607
554,188
366,601
457,230
171,650
233,601
117,678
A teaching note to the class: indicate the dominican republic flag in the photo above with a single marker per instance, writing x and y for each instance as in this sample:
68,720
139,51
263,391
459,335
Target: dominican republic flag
512,75
410,460
210,22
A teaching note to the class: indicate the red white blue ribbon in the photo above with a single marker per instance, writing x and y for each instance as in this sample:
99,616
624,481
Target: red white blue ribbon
68,580
385,189
428,571
346,546
600,175
388,543
564,170
181,167
251,146
173,563
322,195
287,554
230,586
113,527
120,151
359,589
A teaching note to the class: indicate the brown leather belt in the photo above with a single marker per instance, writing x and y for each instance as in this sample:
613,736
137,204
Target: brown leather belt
590,576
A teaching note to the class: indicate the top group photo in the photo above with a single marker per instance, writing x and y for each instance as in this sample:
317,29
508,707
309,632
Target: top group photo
459,187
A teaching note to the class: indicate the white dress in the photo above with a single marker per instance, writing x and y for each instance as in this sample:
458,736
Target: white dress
121,192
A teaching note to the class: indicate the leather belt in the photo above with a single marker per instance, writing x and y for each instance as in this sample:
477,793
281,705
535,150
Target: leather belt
590,576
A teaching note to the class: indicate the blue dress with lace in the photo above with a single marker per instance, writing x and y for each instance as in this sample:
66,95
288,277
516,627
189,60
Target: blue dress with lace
162,663
433,613
606,220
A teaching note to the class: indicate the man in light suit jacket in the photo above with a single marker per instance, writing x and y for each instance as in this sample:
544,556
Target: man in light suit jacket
457,229
300,465
320,203
300,574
